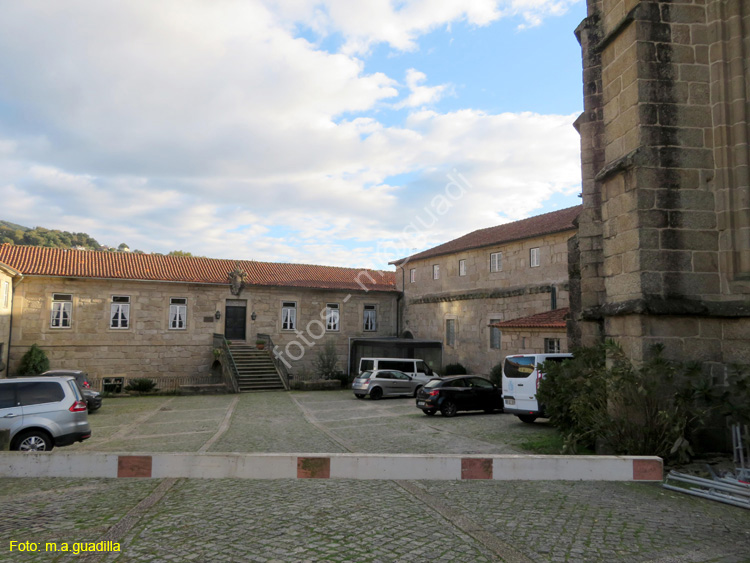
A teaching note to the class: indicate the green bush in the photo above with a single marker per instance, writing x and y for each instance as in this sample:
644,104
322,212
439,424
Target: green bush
455,369
141,385
496,374
600,398
326,362
33,362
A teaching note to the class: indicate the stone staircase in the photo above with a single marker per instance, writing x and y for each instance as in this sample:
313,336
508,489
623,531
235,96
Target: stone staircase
255,368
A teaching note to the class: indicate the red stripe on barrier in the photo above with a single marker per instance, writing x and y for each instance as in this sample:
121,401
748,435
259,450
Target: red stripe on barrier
134,466
647,470
473,468
313,468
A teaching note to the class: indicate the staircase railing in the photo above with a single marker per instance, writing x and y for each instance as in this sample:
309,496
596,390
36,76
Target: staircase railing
228,368
280,367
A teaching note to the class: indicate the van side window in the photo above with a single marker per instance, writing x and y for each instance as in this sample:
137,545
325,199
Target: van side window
519,367
400,365
366,365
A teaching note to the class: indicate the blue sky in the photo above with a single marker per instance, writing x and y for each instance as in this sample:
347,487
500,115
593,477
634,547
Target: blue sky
312,131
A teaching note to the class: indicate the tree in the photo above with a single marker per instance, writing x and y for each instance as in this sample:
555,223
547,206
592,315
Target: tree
327,360
33,362
179,253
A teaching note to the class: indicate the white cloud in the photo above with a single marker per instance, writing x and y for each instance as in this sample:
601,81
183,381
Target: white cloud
400,23
210,127
420,95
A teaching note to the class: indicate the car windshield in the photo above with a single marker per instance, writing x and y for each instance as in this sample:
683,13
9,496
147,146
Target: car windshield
365,375
433,383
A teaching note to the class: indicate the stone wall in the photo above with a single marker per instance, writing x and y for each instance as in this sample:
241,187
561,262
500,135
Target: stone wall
481,296
663,249
300,347
150,348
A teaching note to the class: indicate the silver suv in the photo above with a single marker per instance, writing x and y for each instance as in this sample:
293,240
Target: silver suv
43,412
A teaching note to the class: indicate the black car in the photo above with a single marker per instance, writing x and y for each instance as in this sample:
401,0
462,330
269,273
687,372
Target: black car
459,393
93,398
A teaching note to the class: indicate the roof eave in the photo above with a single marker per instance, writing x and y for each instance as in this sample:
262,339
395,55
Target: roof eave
475,247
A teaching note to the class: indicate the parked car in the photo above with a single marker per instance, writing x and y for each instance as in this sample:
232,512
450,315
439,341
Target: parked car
385,383
459,393
418,369
43,412
93,398
521,377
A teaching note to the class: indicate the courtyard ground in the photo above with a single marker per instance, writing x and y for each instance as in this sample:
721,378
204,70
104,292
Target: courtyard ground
342,520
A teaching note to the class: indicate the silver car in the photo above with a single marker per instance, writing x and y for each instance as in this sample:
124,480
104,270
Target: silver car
385,383
43,412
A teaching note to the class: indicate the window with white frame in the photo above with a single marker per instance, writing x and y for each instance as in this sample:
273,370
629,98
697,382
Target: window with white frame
6,295
436,271
495,335
551,345
332,316
534,257
496,261
412,275
450,332
288,315
371,318
462,267
119,312
177,313
62,310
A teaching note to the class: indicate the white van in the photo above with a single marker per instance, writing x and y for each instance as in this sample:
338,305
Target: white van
418,369
521,377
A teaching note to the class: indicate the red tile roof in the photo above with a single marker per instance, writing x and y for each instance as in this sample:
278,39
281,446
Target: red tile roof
42,261
548,223
548,319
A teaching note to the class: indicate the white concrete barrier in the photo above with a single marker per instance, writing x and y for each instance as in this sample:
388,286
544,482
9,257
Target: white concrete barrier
332,466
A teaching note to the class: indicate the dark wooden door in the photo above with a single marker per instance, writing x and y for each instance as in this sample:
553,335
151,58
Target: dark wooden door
234,322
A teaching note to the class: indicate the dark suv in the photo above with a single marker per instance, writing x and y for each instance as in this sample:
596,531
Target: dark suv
93,398
459,393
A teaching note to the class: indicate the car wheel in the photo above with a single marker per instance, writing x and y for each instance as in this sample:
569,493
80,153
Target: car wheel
376,393
429,412
33,441
417,390
359,395
448,408
528,418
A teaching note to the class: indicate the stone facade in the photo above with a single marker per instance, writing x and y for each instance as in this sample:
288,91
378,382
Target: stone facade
480,297
663,249
150,347
7,276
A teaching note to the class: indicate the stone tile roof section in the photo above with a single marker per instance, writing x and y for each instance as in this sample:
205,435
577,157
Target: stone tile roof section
42,261
548,319
548,223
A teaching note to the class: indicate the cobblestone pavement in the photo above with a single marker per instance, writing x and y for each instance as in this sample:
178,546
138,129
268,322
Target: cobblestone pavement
341,520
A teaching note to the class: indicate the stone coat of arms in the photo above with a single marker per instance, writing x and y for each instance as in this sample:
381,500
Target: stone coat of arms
236,281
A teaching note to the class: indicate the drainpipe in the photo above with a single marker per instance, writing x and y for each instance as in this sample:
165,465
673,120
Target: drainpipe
15,283
398,301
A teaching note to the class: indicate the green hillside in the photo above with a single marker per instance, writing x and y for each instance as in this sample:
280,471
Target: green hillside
39,236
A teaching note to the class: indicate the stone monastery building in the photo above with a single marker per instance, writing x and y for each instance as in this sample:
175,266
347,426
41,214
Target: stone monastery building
116,314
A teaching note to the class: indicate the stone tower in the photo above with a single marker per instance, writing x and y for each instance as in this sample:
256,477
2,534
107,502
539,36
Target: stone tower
663,247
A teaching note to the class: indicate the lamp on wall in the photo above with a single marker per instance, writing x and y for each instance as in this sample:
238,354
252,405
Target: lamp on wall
217,315
253,316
